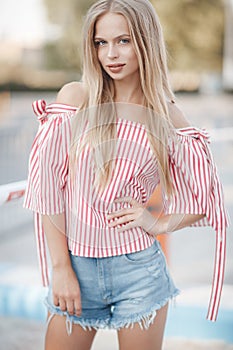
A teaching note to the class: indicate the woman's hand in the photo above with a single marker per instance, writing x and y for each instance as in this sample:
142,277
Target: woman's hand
136,215
66,290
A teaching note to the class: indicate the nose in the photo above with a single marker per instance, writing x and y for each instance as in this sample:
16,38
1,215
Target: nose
112,51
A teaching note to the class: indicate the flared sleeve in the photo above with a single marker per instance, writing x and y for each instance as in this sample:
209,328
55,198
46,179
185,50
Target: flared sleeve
197,190
48,169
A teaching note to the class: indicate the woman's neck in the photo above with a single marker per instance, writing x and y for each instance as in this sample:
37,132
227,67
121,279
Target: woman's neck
128,93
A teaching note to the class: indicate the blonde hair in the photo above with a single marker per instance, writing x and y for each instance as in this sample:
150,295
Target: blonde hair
148,41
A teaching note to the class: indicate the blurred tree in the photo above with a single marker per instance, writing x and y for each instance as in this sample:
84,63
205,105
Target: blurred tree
64,53
193,32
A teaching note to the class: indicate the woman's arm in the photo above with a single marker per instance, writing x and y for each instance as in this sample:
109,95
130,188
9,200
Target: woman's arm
174,222
138,215
66,291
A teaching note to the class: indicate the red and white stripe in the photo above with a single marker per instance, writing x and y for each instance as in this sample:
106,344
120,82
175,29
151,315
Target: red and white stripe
197,190
50,191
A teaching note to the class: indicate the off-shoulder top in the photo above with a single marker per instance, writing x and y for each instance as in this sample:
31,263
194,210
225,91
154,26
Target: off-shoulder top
50,189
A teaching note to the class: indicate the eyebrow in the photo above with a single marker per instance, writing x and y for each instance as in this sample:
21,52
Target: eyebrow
117,37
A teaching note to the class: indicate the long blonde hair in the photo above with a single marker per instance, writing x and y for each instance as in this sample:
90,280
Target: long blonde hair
99,109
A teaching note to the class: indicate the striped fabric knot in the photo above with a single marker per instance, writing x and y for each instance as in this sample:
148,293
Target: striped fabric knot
39,108
202,133
195,133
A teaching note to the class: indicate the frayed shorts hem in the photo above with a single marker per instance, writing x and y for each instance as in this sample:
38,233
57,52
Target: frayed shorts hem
144,320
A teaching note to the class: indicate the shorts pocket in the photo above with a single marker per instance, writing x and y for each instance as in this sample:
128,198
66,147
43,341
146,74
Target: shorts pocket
143,256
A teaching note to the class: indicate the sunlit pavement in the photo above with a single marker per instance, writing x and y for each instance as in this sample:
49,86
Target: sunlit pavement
190,257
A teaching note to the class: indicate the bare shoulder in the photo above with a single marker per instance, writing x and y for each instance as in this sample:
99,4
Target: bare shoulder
72,94
177,117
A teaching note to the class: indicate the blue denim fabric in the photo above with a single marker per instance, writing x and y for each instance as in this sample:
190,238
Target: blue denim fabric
120,290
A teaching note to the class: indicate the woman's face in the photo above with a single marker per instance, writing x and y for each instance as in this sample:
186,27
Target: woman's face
115,48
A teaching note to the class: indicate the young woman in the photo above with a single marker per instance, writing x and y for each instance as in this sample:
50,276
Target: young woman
99,154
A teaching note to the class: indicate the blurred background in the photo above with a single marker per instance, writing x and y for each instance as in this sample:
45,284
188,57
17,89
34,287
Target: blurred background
40,42
40,52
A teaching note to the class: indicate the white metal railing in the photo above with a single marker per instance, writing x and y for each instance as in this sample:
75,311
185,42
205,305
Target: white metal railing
12,191
12,213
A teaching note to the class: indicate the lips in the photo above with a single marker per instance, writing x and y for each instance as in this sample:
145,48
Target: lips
116,67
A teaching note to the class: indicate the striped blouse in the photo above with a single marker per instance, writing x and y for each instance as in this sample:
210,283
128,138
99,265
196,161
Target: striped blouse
50,189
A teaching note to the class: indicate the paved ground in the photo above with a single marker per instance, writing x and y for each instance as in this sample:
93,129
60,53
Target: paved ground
189,262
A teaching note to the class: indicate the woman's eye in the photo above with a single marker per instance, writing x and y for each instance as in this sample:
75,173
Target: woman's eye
100,43
124,41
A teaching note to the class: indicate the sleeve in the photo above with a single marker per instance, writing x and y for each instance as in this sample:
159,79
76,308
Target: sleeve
48,167
197,190
48,170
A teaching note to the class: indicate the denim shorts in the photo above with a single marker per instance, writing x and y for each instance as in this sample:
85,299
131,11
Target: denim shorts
119,291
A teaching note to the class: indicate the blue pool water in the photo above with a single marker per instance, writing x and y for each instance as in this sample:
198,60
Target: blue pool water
190,322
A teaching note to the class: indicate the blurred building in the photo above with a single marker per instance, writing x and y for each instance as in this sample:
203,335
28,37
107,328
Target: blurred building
15,53
23,66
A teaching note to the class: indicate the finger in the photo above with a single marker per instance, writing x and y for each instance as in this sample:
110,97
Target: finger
77,307
122,220
119,213
129,200
62,304
125,227
55,300
70,306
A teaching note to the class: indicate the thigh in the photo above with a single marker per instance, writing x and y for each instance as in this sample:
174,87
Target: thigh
150,339
58,338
